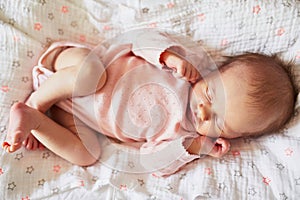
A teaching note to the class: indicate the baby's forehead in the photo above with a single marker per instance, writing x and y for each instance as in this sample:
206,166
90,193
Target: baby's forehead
246,70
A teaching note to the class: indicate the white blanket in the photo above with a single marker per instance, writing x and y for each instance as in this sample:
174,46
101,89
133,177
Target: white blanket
263,168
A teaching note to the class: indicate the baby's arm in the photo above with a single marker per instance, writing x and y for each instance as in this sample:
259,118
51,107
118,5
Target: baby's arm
57,87
207,146
182,68
151,44
167,157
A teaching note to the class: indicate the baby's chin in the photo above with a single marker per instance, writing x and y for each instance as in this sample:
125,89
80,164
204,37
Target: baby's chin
202,130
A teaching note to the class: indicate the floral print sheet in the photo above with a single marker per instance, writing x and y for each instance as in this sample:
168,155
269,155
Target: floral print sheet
262,168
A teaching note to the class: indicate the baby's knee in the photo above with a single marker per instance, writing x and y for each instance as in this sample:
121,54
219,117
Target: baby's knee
91,76
89,159
92,67
87,154
88,163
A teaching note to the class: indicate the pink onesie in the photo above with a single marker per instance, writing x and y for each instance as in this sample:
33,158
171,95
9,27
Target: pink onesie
142,101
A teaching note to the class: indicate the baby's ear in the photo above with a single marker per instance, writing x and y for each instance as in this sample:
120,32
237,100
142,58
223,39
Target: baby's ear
221,147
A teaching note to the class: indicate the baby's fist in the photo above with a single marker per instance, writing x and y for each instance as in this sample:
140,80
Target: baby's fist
181,68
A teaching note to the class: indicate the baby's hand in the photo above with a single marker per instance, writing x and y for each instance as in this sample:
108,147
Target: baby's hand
203,145
220,148
181,68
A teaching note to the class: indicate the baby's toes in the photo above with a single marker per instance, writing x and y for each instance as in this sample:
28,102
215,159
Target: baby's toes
27,144
6,146
31,143
41,146
10,148
15,147
13,141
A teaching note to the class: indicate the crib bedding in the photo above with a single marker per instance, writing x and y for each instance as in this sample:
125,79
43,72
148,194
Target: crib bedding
262,168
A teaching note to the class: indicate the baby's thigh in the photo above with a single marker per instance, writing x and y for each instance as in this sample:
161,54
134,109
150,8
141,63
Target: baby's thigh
73,56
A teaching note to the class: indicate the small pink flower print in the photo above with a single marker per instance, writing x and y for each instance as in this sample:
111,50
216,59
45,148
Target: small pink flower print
82,183
201,17
152,25
298,55
289,151
256,9
26,198
170,5
107,28
16,38
38,26
82,38
208,171
266,180
224,42
1,171
280,31
123,187
56,168
236,153
5,88
64,9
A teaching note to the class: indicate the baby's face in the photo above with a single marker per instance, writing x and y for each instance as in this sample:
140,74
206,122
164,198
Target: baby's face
219,108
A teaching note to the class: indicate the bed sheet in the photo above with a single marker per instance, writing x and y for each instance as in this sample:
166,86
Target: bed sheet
263,168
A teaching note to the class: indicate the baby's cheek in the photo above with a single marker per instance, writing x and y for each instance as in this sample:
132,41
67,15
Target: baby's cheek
202,128
207,129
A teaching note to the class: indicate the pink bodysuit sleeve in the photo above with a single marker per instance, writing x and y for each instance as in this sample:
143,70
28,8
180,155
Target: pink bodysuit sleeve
150,44
164,158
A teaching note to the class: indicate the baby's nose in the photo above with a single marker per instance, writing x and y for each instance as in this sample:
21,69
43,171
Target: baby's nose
204,112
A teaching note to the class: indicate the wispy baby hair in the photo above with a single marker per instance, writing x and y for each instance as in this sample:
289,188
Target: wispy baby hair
272,90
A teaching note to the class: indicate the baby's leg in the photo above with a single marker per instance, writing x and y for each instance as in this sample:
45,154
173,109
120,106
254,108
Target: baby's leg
87,135
55,137
79,72
89,74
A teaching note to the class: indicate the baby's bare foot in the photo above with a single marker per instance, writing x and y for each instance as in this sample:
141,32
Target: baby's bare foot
21,122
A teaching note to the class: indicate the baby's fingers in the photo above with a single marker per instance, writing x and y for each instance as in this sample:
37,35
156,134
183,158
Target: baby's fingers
223,146
181,71
195,75
188,74
191,74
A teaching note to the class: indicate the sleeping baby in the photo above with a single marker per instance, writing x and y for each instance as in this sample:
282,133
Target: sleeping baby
146,87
